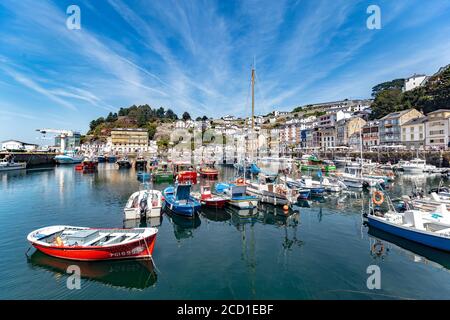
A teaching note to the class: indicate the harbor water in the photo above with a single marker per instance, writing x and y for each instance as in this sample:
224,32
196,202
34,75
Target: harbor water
321,251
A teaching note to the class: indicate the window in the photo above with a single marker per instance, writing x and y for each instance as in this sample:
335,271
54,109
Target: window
421,136
412,136
404,130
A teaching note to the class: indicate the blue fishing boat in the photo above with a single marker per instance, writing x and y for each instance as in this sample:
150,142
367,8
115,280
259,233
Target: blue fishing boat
304,194
111,158
178,200
143,176
100,158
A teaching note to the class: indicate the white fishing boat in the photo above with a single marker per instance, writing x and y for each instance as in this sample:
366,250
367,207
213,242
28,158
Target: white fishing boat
269,192
143,204
341,162
431,229
414,166
70,157
353,177
8,164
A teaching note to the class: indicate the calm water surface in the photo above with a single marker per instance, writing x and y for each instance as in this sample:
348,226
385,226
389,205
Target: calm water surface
321,252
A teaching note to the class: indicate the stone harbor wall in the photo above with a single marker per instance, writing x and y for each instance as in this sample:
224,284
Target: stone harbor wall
33,158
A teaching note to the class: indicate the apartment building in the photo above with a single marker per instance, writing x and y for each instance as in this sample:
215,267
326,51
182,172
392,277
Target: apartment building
370,134
390,125
346,127
437,129
413,133
129,140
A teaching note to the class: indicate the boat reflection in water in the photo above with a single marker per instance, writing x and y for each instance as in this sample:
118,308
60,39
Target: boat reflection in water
129,274
183,227
382,243
143,223
217,215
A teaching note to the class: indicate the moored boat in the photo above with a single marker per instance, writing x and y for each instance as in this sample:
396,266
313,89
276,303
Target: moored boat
140,163
237,193
208,199
111,158
143,176
184,171
143,204
90,244
414,166
68,158
124,162
209,172
179,200
8,164
162,172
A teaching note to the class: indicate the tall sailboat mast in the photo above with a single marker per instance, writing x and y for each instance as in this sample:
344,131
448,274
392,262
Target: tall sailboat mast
253,98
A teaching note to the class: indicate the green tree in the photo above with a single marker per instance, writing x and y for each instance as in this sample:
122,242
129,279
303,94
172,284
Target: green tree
186,116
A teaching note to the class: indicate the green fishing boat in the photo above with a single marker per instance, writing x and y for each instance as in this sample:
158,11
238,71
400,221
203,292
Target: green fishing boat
312,163
162,173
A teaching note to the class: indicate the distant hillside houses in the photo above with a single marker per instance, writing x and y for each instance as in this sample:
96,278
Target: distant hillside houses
414,81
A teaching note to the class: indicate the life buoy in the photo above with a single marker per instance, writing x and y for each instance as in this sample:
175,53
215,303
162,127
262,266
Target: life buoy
240,181
378,248
378,198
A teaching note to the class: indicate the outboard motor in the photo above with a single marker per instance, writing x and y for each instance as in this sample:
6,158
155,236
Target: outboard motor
143,207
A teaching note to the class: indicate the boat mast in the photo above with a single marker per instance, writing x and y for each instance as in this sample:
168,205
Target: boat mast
253,97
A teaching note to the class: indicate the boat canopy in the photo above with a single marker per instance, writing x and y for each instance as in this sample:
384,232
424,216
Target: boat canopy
183,192
238,191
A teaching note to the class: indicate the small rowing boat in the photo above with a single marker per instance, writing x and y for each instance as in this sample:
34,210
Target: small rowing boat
90,244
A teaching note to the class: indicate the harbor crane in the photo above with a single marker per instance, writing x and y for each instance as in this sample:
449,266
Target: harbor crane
60,133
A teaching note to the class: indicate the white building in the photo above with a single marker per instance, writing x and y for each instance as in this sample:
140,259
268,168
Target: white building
414,81
18,145
280,113
229,118
180,124
437,129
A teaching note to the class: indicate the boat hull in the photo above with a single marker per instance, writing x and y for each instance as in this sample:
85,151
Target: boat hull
141,248
214,203
424,238
67,160
160,177
243,204
413,170
11,168
184,211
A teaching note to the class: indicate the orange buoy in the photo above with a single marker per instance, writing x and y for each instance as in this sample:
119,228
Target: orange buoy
378,198
285,207
240,180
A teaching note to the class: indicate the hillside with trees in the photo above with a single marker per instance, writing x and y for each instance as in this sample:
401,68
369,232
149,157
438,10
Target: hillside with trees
433,95
142,116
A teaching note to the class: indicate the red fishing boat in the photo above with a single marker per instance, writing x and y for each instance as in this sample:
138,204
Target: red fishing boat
184,171
89,165
90,244
209,173
207,199
79,167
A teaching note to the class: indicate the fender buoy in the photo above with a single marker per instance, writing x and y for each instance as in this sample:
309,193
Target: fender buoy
378,248
378,198
240,181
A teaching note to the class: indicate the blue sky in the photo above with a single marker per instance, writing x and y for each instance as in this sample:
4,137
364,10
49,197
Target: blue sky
196,56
